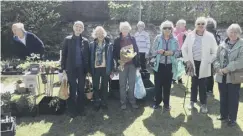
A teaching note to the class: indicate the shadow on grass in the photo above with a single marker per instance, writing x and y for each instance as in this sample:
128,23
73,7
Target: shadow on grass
161,123
110,122
201,124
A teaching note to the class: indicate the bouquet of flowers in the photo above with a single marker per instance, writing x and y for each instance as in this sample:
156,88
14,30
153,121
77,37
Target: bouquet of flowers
126,54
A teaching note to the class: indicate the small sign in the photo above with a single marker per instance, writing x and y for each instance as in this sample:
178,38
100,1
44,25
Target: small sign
30,81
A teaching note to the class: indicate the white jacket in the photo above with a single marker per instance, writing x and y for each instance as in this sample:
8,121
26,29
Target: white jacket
143,41
209,51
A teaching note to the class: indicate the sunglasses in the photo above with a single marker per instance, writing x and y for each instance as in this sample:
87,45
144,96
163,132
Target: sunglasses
167,28
201,24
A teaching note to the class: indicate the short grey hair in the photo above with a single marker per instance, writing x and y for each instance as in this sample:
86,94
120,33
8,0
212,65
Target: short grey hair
19,26
79,23
181,22
98,28
141,24
236,28
202,20
166,23
125,27
211,21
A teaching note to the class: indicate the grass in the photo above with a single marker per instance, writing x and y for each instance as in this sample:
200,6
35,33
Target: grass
142,122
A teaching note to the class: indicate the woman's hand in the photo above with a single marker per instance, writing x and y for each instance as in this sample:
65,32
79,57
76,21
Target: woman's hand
161,51
225,71
168,53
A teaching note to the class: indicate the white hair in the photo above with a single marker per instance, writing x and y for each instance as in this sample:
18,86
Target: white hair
181,22
79,23
19,26
166,23
211,21
98,28
141,24
125,27
235,28
201,20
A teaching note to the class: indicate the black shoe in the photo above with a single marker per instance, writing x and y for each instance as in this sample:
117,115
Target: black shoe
167,108
231,123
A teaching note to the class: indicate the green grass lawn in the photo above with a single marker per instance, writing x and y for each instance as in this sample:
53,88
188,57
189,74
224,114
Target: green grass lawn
142,122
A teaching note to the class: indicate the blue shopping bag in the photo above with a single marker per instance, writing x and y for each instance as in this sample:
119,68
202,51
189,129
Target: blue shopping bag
139,90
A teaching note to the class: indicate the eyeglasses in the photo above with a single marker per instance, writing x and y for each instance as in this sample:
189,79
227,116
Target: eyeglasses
201,24
167,28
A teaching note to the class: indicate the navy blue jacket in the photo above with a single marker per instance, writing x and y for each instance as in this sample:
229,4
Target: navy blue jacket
117,48
33,45
68,61
108,55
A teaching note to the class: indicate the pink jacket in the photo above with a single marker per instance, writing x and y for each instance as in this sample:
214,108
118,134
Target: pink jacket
179,33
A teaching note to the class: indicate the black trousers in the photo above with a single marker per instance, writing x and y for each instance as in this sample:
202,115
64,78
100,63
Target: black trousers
142,60
100,94
163,79
210,81
198,83
229,99
75,101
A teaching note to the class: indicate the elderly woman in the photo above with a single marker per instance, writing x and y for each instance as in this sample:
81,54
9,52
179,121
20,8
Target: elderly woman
101,65
199,51
128,72
229,59
25,42
180,33
143,42
211,27
165,48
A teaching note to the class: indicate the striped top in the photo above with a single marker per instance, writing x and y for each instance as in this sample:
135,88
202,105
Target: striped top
197,48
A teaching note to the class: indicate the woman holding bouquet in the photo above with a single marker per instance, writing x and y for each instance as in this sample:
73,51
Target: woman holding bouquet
165,48
125,54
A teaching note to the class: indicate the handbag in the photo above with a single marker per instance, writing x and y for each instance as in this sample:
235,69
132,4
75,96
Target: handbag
237,76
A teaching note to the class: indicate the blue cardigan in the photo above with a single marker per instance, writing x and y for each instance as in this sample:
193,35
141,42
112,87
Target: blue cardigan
108,56
33,45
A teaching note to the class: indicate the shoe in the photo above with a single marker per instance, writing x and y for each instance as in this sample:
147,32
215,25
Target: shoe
191,105
222,118
155,106
204,108
134,106
167,108
231,123
124,106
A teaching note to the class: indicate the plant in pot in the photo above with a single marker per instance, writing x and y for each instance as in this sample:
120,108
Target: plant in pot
52,105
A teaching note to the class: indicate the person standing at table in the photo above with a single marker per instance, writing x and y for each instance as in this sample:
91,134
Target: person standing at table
25,43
